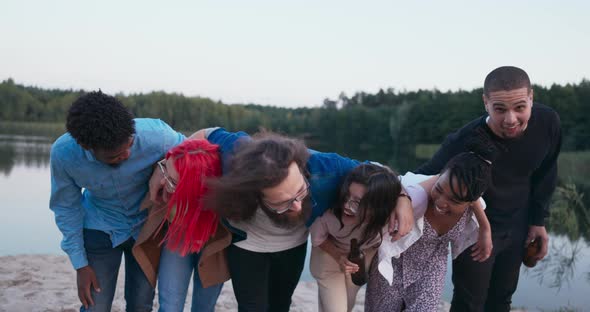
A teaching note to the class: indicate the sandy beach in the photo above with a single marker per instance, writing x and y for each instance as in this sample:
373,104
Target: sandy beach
47,283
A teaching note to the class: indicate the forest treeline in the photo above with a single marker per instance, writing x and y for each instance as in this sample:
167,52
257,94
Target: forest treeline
385,126
392,127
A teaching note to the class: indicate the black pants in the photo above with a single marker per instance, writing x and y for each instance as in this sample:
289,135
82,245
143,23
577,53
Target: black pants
489,285
265,281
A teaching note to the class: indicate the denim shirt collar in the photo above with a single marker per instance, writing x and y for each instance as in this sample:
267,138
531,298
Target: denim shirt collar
90,156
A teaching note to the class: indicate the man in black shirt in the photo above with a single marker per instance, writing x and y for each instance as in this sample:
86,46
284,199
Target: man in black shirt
524,178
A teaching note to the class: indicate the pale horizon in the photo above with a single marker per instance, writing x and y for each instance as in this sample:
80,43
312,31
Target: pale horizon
289,54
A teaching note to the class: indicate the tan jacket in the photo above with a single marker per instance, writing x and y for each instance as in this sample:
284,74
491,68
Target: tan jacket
212,267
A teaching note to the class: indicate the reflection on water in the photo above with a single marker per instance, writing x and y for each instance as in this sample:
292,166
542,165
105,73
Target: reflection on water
569,218
559,266
562,279
569,215
558,282
30,151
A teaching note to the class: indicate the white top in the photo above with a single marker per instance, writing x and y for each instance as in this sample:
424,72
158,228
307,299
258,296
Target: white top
264,236
328,225
389,249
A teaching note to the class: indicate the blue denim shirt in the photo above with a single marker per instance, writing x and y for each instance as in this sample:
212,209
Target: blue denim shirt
86,193
327,170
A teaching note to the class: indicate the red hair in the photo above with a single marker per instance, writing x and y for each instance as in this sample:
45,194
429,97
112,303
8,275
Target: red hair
191,224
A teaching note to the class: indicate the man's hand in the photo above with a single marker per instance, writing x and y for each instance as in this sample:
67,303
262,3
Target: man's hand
401,220
482,249
156,186
86,279
346,266
199,135
538,233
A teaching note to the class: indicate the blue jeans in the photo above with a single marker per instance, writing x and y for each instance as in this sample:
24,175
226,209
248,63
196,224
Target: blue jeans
105,261
173,279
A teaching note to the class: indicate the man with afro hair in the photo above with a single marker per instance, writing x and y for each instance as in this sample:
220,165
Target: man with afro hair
100,171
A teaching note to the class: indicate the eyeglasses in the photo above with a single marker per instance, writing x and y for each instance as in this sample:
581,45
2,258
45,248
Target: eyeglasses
288,205
352,205
170,185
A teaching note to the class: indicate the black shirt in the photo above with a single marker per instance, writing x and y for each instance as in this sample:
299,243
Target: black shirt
523,177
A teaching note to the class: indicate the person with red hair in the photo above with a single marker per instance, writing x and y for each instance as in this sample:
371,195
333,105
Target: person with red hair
183,225
186,169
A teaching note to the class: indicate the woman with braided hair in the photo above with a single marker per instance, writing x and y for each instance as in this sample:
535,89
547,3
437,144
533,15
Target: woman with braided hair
408,274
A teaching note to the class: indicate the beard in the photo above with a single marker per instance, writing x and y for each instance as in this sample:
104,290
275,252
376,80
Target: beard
290,219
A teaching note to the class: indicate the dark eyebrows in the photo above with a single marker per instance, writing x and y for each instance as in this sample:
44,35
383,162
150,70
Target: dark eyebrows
452,198
115,156
131,140
502,104
438,188
456,201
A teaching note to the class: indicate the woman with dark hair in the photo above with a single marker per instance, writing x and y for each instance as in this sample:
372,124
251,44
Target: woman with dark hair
184,225
361,213
409,274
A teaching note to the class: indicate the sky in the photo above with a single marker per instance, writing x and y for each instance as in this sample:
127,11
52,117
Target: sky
288,53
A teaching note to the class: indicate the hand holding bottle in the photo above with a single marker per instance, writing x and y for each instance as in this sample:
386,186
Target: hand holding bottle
356,256
346,266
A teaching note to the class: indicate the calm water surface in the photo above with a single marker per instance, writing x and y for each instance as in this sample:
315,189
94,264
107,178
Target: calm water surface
28,227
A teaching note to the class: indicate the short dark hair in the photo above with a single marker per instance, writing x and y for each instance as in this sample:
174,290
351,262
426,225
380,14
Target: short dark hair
99,121
259,163
506,78
472,170
383,189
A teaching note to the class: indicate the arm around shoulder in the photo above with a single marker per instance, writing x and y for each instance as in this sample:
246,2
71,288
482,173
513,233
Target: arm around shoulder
199,135
203,134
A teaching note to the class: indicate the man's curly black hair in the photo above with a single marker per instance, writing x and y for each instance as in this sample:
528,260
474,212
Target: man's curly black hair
99,121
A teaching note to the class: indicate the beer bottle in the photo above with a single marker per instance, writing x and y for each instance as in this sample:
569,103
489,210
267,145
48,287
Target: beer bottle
357,257
530,252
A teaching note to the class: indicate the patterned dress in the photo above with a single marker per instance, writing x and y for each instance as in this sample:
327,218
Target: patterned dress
419,273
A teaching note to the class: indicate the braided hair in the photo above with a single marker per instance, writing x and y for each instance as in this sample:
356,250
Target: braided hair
470,173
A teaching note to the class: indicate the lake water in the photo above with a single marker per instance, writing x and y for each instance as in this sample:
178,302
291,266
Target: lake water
28,227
